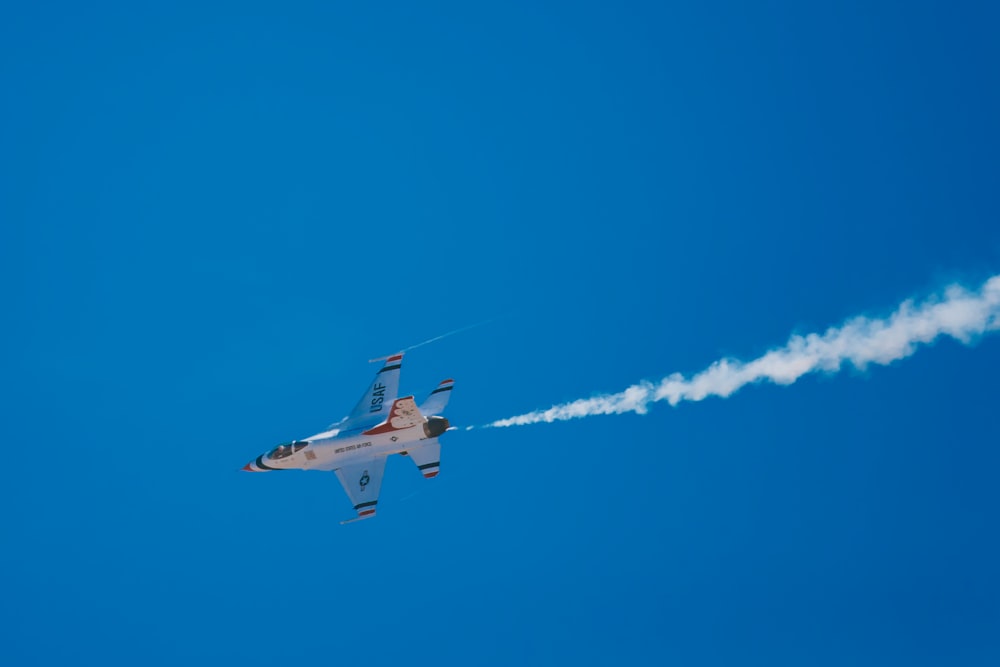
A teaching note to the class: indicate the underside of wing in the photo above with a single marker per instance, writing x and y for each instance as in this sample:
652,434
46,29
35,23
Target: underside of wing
362,481
373,406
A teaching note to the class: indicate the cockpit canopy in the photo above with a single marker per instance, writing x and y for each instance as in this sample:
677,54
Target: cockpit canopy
287,449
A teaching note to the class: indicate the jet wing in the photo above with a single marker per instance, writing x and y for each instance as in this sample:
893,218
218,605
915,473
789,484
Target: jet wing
373,406
362,482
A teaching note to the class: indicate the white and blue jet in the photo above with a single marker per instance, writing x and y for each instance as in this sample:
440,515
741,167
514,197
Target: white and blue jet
356,449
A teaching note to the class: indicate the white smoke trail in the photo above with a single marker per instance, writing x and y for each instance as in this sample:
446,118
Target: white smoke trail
958,313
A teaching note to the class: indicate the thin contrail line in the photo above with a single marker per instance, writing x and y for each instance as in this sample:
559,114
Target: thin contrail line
436,338
860,341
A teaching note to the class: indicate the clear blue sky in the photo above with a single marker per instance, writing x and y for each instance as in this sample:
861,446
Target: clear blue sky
212,216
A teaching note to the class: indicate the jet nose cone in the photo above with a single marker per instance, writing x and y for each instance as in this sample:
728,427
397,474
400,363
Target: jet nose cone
248,468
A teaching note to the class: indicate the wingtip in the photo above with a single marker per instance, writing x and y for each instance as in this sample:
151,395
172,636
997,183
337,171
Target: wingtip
387,358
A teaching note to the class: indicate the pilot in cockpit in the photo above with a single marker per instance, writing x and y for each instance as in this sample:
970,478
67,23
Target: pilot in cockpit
287,449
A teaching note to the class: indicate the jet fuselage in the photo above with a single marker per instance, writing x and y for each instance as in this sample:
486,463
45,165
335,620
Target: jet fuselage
332,449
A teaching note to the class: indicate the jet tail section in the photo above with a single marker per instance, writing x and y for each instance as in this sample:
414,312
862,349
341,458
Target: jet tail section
436,402
403,414
427,457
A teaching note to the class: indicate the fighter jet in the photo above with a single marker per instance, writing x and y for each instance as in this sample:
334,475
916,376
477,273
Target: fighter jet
357,447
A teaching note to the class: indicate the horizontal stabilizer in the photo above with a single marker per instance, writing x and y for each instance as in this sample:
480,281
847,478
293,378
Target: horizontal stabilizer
436,402
427,456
